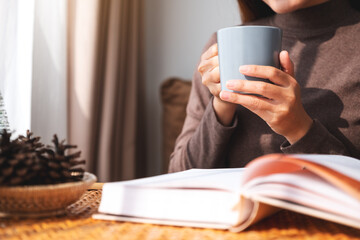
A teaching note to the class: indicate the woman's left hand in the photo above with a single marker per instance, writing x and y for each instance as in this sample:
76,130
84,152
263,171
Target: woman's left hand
281,106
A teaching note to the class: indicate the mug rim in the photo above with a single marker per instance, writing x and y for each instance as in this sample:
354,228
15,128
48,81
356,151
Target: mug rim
250,26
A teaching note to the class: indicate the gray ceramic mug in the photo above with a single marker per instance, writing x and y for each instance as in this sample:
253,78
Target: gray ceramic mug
245,45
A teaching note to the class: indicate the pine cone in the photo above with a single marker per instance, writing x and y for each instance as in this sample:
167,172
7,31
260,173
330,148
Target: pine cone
62,167
18,161
25,161
34,142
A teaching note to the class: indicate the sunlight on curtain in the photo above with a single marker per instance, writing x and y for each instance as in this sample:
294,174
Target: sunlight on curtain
49,98
16,41
33,65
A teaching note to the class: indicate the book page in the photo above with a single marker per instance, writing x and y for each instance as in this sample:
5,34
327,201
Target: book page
342,164
196,195
177,204
227,179
307,211
307,189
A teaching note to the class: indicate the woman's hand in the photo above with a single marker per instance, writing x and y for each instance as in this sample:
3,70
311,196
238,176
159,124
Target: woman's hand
281,106
209,70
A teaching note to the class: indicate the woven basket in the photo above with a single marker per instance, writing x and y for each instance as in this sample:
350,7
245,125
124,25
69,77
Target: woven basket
42,200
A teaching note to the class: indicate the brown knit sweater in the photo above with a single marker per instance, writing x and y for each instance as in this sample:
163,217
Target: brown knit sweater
323,42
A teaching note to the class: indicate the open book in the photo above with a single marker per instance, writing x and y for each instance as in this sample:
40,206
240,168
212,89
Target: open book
323,186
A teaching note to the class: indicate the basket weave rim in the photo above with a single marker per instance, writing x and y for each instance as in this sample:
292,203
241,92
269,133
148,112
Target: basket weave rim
88,178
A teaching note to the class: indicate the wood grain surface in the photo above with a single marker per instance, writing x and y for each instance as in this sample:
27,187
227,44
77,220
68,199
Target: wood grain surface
78,224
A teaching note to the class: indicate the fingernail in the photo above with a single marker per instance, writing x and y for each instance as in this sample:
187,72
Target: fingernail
244,68
224,95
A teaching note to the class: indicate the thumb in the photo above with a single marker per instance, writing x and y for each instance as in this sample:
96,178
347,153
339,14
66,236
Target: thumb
286,63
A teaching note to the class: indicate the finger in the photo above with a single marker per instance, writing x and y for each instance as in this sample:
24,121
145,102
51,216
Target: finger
286,63
215,72
211,52
267,72
208,65
260,106
211,77
264,89
215,89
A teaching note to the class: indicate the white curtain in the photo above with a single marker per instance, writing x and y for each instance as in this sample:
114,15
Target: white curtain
33,65
16,40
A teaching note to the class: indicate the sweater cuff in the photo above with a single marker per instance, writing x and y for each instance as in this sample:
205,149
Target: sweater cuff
210,116
208,145
312,142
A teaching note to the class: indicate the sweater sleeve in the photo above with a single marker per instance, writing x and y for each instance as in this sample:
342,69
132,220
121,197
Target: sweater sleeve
317,140
203,140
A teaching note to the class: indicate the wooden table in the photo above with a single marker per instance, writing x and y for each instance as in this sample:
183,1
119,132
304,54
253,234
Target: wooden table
78,224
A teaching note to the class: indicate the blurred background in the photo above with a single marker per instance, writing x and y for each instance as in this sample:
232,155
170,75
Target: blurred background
91,71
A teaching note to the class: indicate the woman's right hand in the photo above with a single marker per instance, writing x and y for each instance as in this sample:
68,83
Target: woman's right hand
210,74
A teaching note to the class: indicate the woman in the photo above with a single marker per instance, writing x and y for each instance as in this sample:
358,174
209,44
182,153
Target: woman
313,105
